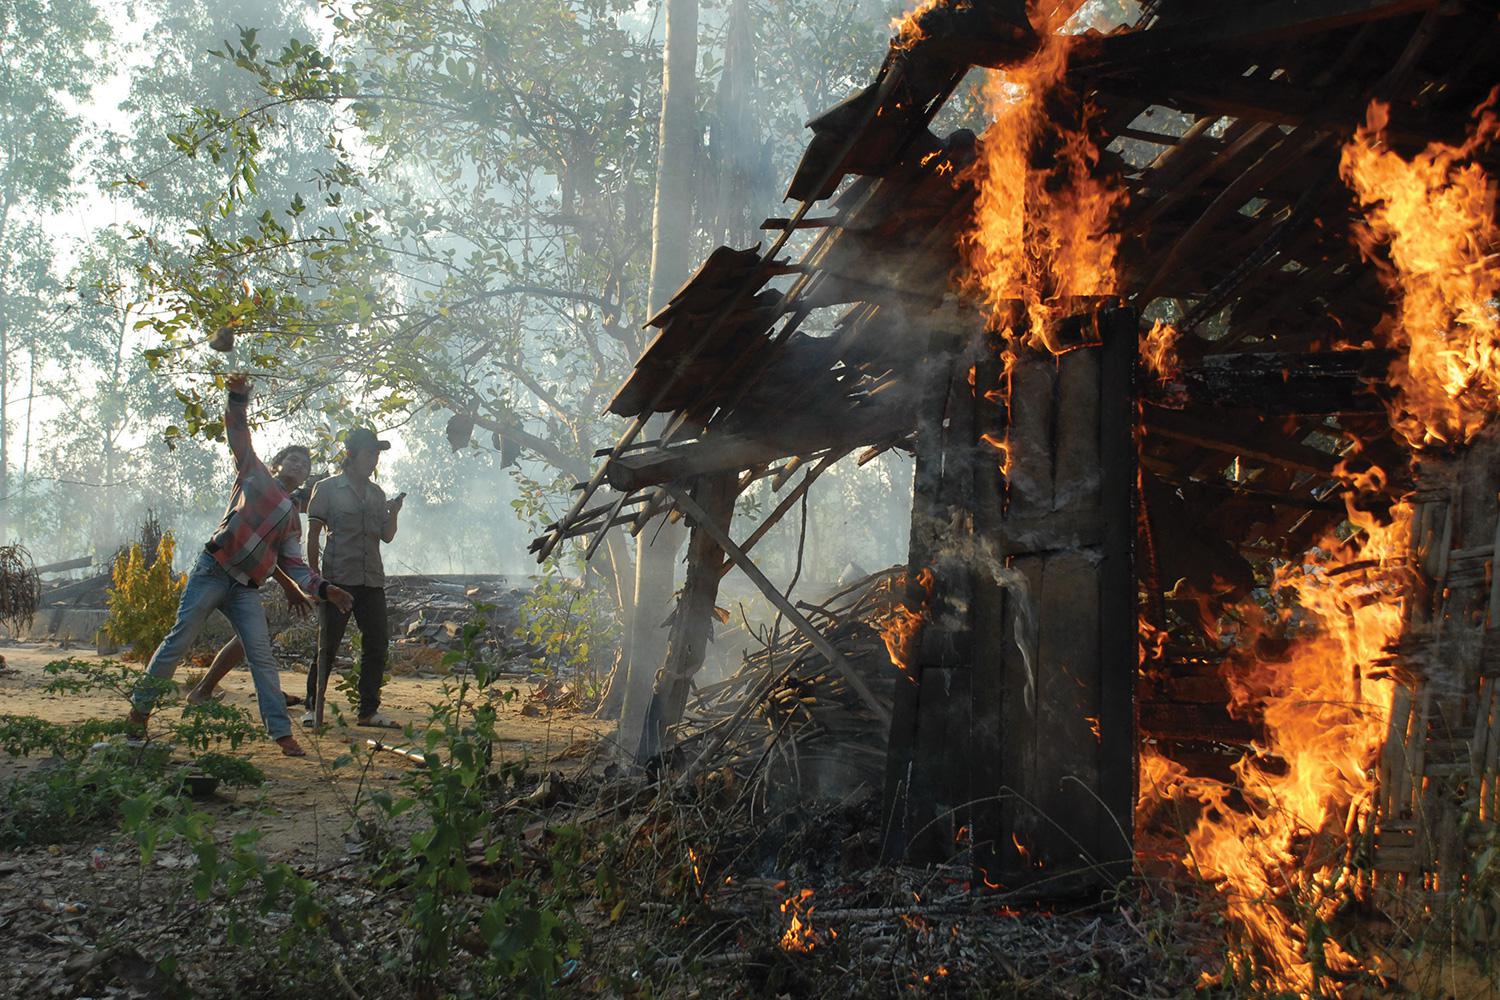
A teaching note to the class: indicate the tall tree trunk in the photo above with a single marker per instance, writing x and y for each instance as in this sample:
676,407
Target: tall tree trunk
740,156
4,423
671,255
30,398
4,378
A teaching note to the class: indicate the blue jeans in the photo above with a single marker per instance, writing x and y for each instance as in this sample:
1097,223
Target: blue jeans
211,589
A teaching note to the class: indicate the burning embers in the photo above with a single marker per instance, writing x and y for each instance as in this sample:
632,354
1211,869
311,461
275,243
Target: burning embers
1041,237
1434,216
800,935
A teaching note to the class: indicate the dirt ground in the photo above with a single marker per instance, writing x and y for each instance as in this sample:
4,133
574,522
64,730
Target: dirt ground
303,807
83,918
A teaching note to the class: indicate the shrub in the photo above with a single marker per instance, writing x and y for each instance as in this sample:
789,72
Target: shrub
143,600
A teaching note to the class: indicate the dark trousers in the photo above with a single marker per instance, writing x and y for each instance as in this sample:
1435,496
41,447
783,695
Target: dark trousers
375,638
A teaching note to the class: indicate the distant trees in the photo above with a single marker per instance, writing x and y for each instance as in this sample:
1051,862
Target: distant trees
50,56
434,210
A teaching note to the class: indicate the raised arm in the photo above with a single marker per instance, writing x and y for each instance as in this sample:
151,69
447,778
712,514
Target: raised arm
237,423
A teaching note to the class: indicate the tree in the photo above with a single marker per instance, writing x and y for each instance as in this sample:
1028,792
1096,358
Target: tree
677,154
50,57
483,249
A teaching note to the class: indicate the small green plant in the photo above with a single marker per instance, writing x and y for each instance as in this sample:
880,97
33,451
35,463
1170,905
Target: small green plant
60,803
212,724
234,771
527,931
573,625
96,771
143,600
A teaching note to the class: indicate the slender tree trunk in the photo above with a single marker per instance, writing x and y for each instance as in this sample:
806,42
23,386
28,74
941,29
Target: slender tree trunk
671,255
30,398
106,514
4,378
4,422
617,546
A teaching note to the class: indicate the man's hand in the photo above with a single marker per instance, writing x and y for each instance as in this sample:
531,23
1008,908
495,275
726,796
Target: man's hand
340,598
393,506
238,382
299,603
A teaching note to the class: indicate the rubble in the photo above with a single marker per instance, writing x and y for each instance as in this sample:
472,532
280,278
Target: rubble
426,615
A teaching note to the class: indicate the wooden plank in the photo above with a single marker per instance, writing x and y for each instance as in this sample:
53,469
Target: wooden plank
862,425
1282,383
987,681
1065,775
1077,473
940,784
945,640
923,540
1018,734
1032,405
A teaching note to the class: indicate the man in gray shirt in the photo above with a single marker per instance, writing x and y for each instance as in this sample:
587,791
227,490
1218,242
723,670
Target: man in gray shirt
358,517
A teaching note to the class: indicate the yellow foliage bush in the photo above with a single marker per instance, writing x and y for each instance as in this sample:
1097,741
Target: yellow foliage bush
143,600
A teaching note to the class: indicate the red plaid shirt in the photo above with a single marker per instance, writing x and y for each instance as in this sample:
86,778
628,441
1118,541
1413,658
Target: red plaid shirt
261,528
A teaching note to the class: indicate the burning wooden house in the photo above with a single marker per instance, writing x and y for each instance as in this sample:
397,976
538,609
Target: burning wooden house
1195,346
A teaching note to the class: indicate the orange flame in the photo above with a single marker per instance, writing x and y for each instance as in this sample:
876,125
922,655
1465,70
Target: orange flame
1159,351
906,29
1324,709
1041,231
799,935
900,626
1435,216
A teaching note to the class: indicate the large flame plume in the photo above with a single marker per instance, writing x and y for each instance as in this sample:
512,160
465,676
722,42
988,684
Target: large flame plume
1433,216
1274,843
1041,236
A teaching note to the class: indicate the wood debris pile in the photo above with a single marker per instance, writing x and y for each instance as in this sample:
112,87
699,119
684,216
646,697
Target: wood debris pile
788,705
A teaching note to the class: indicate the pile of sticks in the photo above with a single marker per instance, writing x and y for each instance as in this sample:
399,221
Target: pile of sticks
788,705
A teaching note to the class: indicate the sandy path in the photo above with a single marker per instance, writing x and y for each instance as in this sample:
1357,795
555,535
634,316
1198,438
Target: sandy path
303,808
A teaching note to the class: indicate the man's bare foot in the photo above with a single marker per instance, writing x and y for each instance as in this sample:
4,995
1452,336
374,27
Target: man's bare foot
138,720
290,747
196,697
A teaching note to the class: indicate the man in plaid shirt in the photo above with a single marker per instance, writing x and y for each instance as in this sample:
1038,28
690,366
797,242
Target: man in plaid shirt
260,532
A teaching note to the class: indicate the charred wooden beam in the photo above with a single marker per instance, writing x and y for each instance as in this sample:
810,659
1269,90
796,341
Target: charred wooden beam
1321,382
724,452
1202,429
786,503
692,624
1236,25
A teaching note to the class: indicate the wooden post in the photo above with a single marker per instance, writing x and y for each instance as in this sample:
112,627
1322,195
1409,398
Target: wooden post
1067,711
692,625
